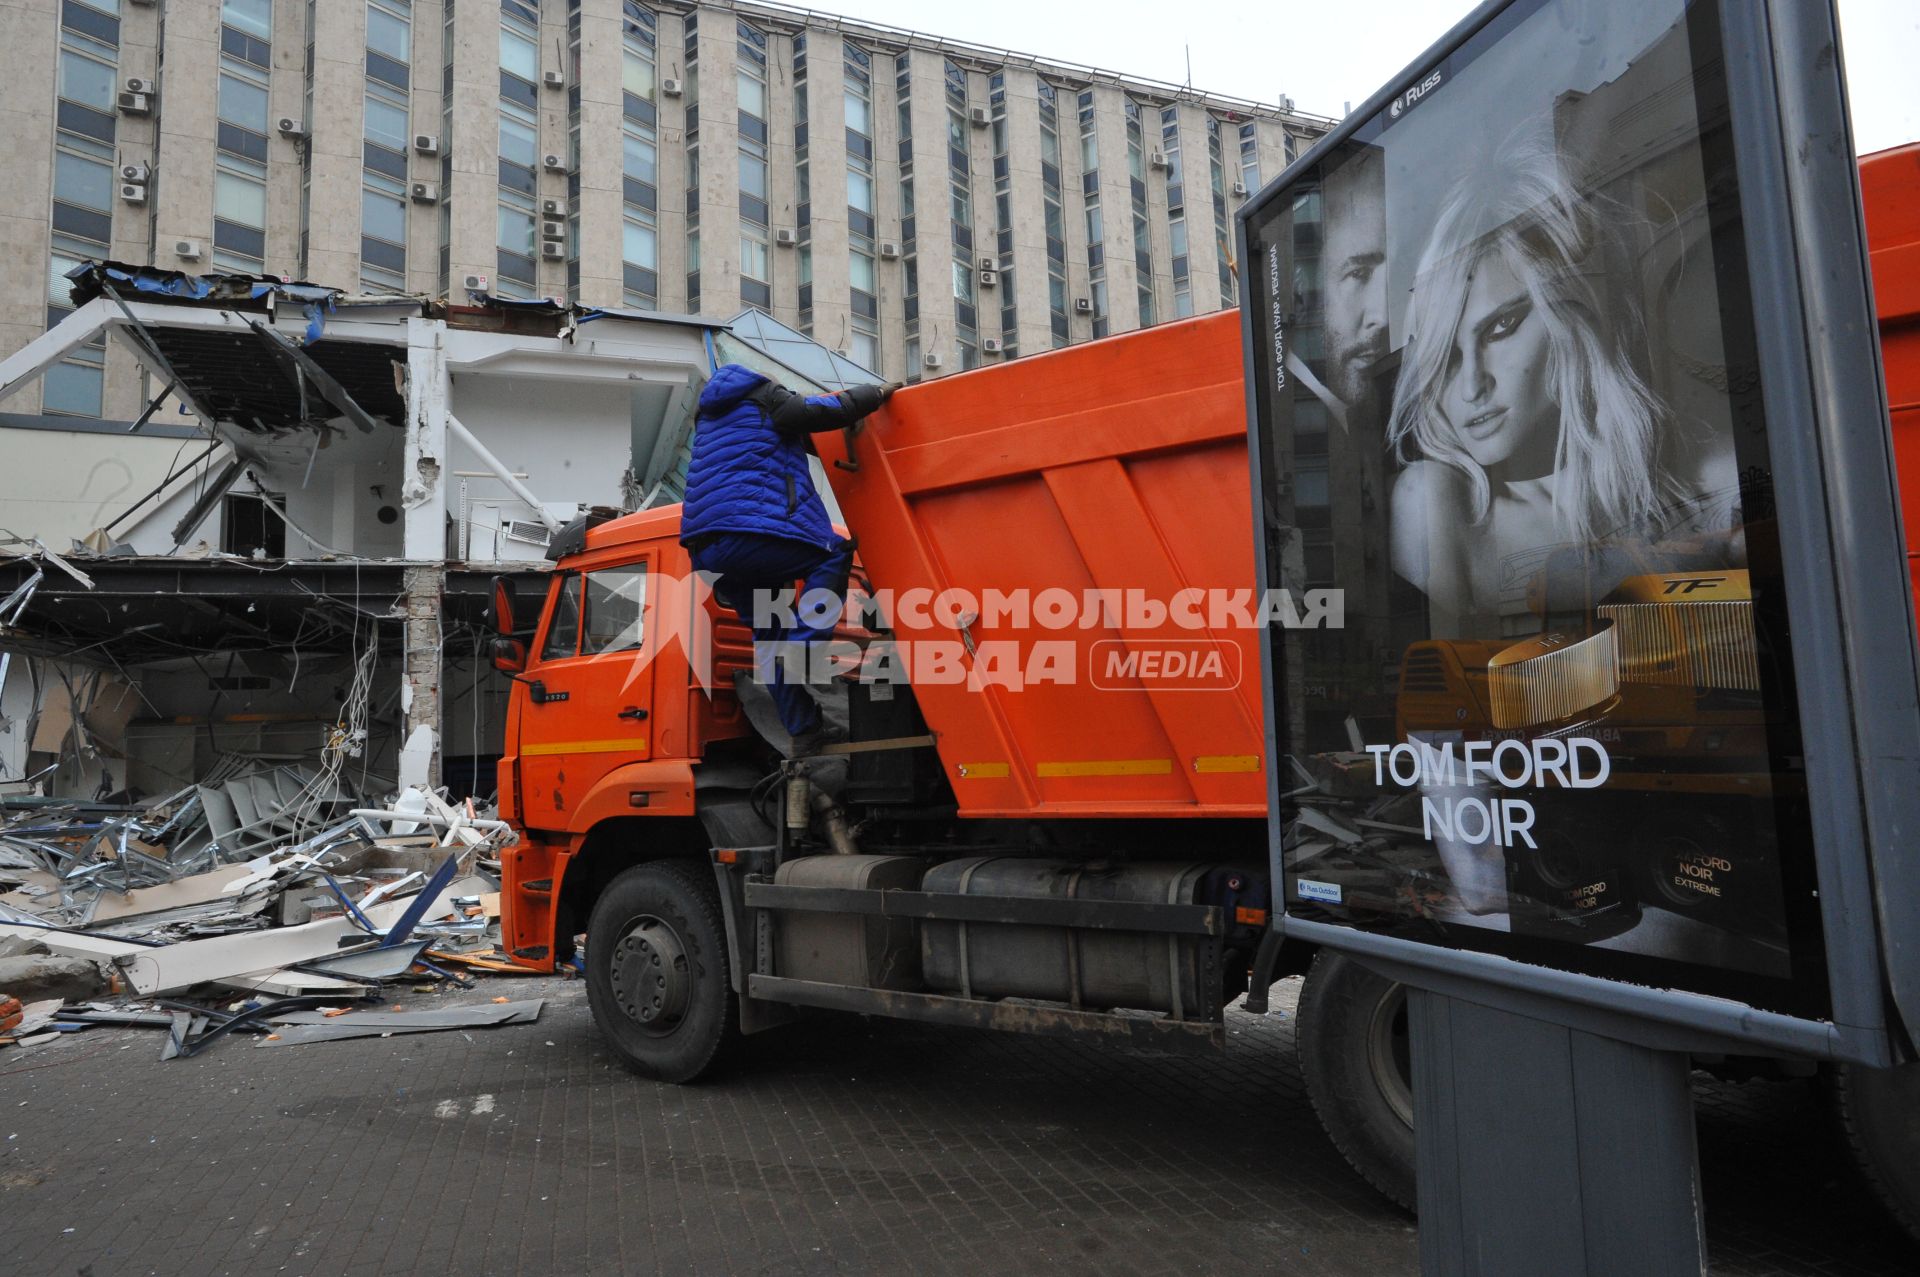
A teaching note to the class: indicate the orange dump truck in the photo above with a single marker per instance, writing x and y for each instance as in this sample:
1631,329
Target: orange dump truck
1051,813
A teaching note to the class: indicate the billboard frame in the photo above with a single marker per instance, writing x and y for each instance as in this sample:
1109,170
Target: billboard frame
1843,547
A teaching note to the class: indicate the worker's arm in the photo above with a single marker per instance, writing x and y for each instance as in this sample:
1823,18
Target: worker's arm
810,414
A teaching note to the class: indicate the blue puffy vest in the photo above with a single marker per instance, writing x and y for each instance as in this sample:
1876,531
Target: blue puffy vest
745,475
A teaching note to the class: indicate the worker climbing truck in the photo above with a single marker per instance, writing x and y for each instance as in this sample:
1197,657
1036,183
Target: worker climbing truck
1050,814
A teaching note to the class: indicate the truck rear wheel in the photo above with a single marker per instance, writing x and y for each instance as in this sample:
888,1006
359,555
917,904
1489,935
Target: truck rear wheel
1354,1052
657,970
1880,1117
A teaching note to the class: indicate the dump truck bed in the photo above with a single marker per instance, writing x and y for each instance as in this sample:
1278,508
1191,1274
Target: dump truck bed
1890,183
1116,466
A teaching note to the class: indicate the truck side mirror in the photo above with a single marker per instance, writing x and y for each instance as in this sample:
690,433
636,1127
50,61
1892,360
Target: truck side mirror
509,655
500,612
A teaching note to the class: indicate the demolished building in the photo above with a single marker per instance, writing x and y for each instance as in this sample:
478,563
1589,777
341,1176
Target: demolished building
308,584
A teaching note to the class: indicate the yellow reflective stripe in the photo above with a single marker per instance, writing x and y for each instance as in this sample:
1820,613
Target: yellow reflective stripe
585,747
1227,763
1108,767
982,771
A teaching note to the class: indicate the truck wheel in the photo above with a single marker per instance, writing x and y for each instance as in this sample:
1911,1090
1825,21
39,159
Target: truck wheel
1354,1052
657,970
1880,1117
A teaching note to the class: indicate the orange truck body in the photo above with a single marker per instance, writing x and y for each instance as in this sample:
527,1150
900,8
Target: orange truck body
1092,481
1890,188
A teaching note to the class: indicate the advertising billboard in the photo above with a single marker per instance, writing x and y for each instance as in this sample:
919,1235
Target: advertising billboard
1508,394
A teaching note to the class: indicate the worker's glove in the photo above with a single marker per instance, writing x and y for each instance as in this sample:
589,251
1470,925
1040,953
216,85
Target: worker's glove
886,391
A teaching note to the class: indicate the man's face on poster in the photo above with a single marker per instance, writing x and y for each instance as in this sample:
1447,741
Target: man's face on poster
1355,277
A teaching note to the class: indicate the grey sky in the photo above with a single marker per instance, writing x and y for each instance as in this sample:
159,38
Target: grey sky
1328,53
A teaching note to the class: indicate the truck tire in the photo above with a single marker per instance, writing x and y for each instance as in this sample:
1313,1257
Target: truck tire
1353,1050
1879,1112
657,970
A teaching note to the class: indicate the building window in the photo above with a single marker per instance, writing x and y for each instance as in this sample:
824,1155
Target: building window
1222,230
1052,206
751,74
966,317
756,272
909,222
1096,226
1003,208
1137,187
1249,157
1181,265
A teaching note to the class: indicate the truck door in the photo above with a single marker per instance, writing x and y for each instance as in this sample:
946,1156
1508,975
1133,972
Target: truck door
590,691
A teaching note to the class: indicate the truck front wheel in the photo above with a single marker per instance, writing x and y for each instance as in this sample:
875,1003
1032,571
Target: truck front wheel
657,970
1354,1052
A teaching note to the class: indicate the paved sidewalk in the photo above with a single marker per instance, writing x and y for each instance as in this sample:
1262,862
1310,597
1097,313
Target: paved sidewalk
836,1146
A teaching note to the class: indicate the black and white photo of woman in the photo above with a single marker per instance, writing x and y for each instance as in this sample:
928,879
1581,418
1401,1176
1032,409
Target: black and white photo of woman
1522,416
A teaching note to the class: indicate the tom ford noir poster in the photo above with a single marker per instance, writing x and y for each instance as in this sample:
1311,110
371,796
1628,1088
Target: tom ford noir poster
1507,402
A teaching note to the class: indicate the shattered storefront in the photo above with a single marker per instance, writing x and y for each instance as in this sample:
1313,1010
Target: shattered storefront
291,623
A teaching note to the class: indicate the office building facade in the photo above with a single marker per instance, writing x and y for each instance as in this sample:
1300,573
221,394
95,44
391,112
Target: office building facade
923,206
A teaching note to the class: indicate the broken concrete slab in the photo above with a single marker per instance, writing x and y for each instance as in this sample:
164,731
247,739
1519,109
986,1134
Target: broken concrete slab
52,975
303,1027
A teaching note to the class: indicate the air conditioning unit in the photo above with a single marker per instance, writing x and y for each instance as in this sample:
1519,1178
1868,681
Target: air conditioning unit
889,251
993,345
1240,189
426,144
933,360
1083,305
989,278
190,249
290,128
553,208
553,250
135,84
133,192
553,162
553,230
554,79
1158,159
670,87
978,114
474,283
784,237
134,173
988,262
135,104
424,193
525,530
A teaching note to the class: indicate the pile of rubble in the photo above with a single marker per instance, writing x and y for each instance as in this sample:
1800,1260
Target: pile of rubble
262,898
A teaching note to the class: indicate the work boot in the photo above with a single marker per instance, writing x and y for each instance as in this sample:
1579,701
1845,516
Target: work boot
812,742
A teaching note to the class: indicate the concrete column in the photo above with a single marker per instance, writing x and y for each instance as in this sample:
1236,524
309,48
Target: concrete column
827,162
423,497
423,493
420,675
26,119
602,159
475,145
933,237
424,108
339,110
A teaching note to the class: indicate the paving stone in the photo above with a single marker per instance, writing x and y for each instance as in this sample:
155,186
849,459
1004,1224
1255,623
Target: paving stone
839,1145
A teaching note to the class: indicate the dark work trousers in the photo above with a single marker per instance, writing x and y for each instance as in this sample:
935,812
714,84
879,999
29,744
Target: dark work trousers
749,563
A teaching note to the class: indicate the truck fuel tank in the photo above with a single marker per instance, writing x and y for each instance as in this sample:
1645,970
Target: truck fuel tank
1094,969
